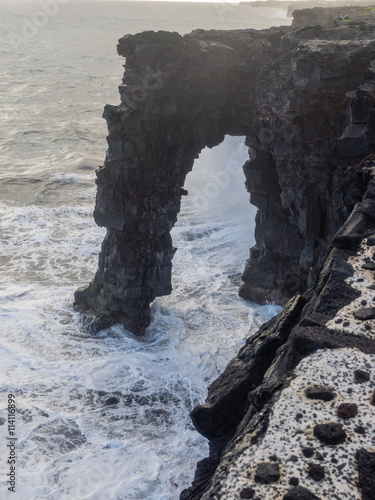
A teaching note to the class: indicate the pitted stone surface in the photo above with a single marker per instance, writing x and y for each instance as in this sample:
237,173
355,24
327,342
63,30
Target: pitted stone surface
332,469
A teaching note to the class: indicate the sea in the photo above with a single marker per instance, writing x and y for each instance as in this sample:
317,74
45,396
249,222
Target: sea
106,416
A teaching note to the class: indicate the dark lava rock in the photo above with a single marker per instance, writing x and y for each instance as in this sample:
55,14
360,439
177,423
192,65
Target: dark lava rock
293,458
347,410
373,399
308,452
294,481
300,493
369,265
366,471
361,376
371,241
247,493
331,433
274,458
316,472
360,429
365,313
267,473
320,392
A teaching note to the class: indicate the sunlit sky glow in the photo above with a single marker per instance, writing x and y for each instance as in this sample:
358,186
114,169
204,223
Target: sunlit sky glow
65,2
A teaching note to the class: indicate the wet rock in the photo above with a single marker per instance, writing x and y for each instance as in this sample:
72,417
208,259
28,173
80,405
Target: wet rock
316,472
365,313
347,410
267,473
366,472
300,493
331,433
320,392
361,376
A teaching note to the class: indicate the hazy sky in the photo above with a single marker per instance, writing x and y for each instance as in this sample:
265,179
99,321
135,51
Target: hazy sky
64,2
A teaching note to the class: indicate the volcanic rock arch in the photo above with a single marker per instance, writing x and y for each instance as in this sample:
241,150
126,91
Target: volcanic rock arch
181,94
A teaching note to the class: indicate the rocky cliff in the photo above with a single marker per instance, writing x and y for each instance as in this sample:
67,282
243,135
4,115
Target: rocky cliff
284,90
291,417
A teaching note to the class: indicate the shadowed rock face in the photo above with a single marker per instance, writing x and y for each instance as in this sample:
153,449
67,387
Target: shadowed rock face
284,90
243,413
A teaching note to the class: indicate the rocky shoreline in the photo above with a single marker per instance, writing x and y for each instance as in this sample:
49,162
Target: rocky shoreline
293,415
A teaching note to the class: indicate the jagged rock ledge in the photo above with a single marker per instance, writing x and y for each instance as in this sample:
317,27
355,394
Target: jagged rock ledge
292,417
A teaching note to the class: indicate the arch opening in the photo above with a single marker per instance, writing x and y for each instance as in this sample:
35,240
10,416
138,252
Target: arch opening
213,234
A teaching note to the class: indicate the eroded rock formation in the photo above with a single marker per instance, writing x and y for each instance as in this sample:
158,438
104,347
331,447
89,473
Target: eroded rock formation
298,398
284,90
292,415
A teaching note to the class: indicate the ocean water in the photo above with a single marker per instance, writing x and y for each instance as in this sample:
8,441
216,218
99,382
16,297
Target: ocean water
106,416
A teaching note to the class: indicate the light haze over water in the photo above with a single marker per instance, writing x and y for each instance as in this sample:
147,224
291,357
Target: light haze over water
106,416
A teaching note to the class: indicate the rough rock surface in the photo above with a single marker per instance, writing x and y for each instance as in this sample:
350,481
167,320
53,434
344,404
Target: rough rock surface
305,100
284,90
310,404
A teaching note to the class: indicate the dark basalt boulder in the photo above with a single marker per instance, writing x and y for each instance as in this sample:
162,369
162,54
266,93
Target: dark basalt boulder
331,433
320,392
267,473
300,493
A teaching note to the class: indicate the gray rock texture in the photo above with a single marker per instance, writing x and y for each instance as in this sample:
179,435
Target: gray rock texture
239,413
284,89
